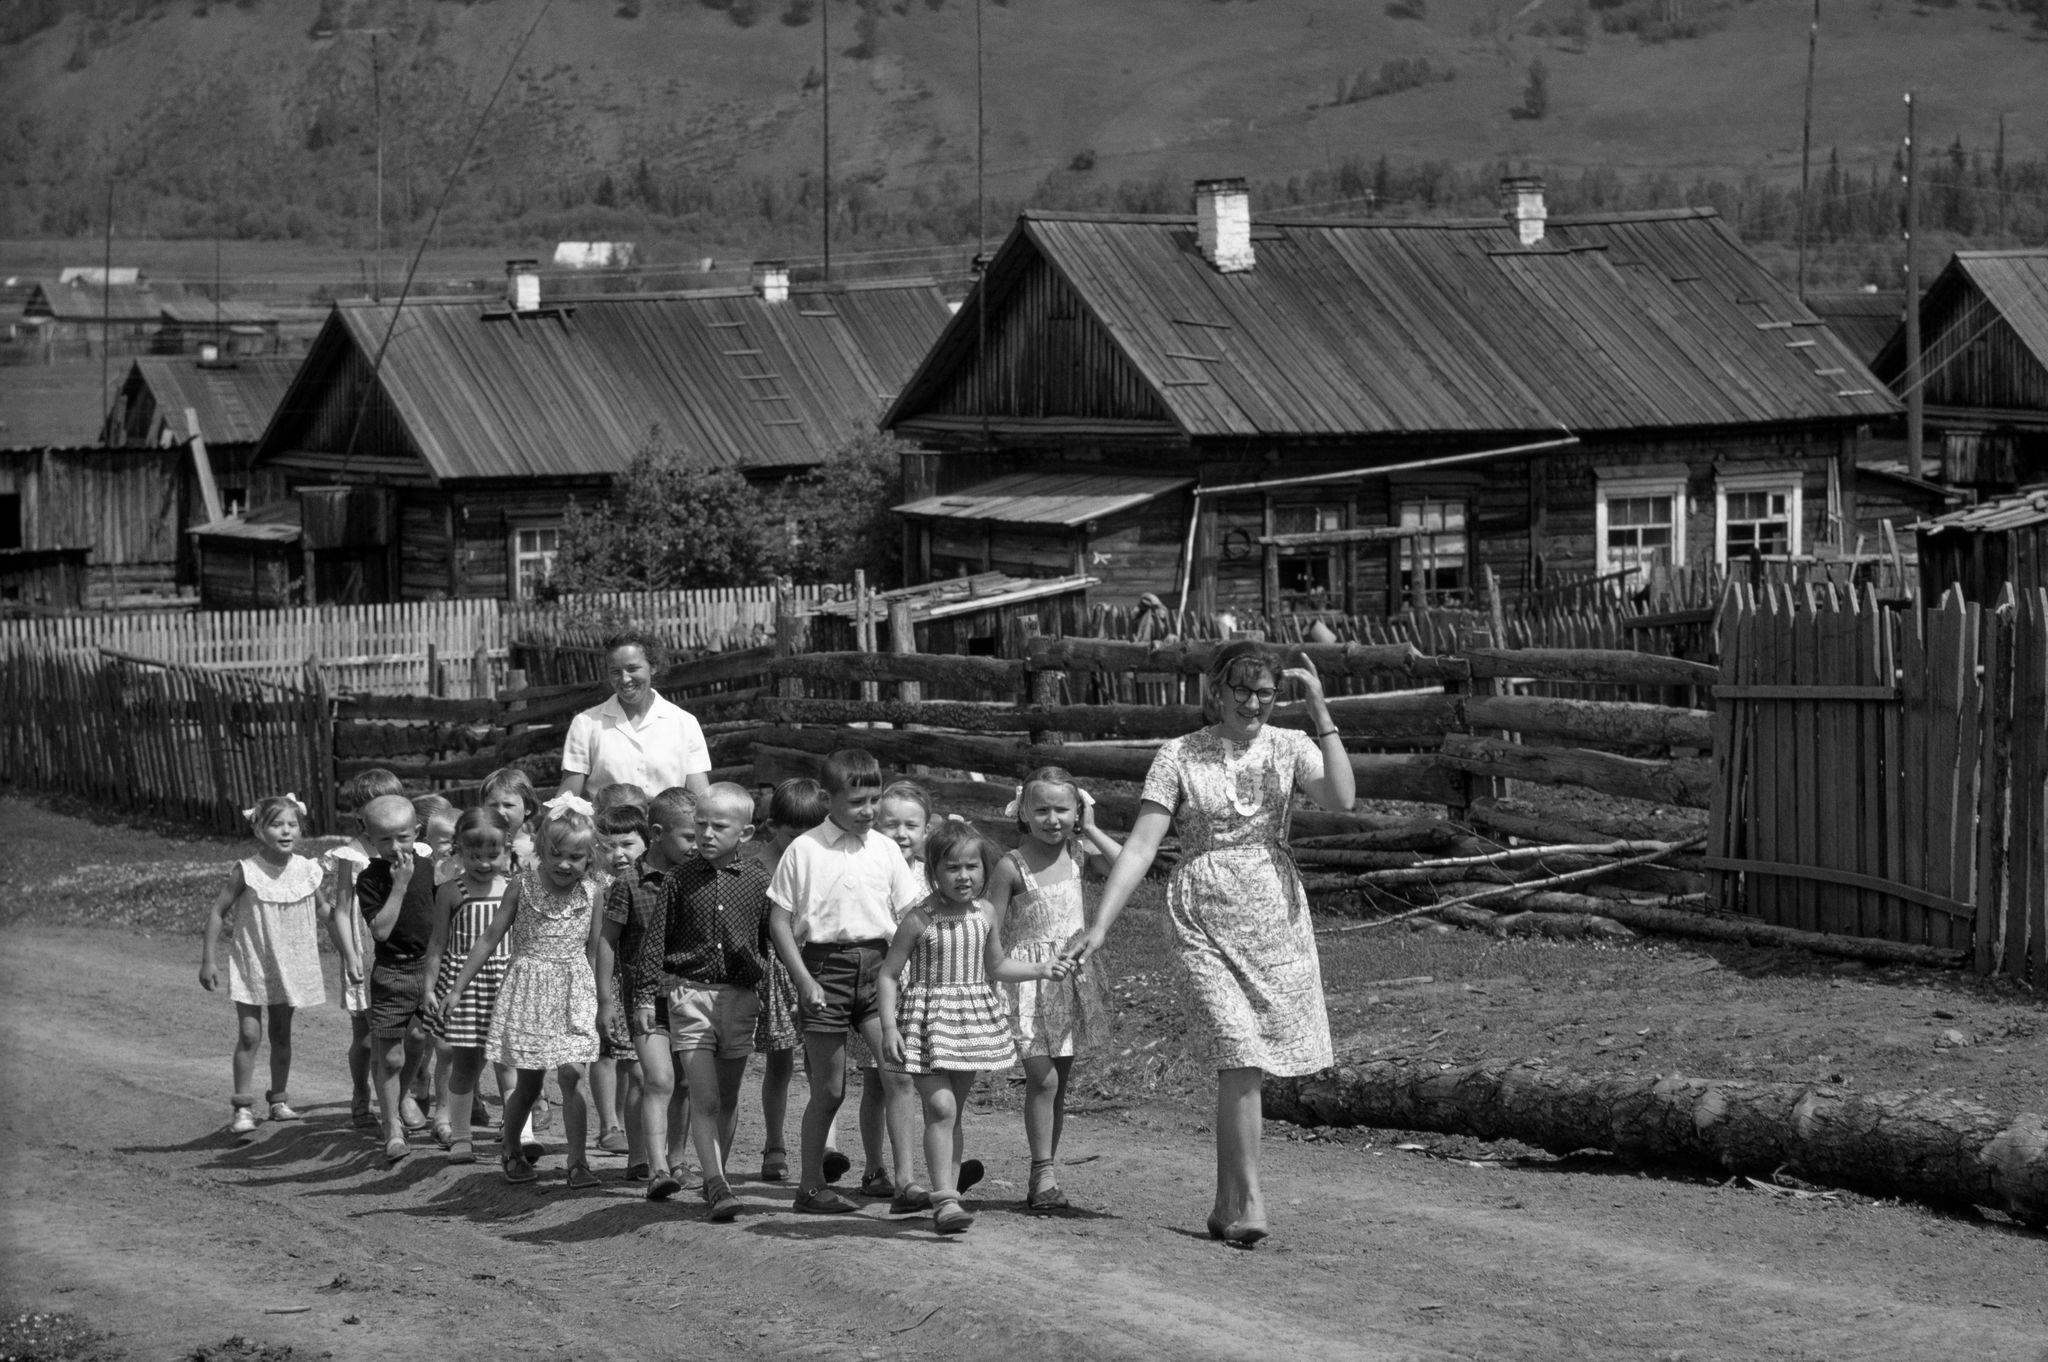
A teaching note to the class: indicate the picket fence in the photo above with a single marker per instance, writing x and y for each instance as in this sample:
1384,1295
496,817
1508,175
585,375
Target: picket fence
458,649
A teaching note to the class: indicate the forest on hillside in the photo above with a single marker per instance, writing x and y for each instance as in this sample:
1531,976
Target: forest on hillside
233,158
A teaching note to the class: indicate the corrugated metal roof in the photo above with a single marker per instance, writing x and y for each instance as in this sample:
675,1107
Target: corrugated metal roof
234,402
2013,282
2006,513
83,302
1864,321
1640,320
576,388
205,312
1046,498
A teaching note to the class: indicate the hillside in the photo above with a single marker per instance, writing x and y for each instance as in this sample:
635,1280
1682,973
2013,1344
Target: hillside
697,122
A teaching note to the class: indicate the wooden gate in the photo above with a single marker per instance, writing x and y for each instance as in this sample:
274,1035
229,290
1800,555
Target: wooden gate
1884,772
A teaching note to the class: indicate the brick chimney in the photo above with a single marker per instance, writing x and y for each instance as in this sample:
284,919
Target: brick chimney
1223,224
1522,203
771,280
522,285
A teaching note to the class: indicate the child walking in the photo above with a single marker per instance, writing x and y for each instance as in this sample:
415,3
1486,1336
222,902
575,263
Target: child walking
546,1012
946,1024
835,893
275,901
463,911
351,932
634,916
1036,891
395,894
792,807
615,1078
904,816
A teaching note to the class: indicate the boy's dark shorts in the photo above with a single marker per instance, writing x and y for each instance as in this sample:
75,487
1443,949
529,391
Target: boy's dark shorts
395,997
848,972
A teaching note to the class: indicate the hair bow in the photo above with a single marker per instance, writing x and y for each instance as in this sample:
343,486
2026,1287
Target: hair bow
288,797
569,803
955,818
1016,803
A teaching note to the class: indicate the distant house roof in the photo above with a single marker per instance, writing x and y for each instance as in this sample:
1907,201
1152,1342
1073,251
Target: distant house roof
1990,517
205,312
51,405
1977,294
1625,321
1864,320
80,301
1061,498
575,388
233,402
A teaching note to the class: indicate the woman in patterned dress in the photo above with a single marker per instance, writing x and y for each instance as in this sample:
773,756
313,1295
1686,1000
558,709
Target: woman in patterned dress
545,1016
1239,915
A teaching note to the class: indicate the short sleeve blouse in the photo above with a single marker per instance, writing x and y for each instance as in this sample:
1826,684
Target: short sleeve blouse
1225,793
656,753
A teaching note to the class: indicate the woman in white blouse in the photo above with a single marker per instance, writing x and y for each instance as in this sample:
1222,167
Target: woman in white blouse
636,736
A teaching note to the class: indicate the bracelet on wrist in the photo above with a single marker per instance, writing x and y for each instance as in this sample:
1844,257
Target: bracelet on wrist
1326,733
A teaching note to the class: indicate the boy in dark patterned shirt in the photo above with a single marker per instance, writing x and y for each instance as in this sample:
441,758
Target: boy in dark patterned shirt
707,962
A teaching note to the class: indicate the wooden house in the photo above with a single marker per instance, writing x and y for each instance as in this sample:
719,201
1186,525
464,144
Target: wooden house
167,402
200,326
1982,548
487,418
1352,415
78,317
1984,367
123,509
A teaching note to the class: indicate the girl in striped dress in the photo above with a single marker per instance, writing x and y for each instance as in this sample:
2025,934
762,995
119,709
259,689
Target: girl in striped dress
945,1023
463,911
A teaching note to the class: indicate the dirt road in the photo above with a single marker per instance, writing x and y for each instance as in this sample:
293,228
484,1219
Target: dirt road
127,1204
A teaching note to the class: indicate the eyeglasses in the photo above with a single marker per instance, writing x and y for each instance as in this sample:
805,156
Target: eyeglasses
1244,695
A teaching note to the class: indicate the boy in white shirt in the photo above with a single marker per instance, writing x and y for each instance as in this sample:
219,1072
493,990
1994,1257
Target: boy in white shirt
835,898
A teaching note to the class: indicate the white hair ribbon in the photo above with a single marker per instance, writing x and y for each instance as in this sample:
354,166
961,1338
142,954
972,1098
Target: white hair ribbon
568,803
1016,803
249,813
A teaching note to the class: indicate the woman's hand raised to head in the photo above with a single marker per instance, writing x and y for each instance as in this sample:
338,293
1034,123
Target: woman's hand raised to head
1303,673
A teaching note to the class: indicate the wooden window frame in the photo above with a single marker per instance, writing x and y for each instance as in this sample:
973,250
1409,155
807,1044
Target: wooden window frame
513,555
1465,498
1633,488
1779,480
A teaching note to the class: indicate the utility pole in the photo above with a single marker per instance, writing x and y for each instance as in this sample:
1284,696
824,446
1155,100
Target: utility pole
1915,402
825,72
377,117
1806,143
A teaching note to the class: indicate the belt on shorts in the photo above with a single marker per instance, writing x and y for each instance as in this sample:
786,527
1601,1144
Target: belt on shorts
877,943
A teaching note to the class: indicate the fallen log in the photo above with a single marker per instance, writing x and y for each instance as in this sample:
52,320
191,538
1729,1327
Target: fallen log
1594,723
1422,834
1915,1145
1591,666
1492,816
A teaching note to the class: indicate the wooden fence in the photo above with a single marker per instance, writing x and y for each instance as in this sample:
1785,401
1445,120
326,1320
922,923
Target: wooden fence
1886,771
458,649
185,743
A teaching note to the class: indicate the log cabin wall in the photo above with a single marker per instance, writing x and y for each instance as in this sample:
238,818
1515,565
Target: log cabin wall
128,506
458,542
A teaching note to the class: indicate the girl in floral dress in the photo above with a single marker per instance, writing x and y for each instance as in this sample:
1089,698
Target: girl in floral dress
1239,914
545,1016
1037,891
274,904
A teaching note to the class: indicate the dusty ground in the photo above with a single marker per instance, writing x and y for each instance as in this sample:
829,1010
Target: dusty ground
128,1207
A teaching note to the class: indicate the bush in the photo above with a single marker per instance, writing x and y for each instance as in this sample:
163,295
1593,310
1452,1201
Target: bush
1536,94
1402,73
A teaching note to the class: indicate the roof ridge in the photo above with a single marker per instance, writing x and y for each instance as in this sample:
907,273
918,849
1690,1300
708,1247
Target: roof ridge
1406,224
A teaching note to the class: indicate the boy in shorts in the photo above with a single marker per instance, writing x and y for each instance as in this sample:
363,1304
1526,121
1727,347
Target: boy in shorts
715,919
395,893
837,893
632,911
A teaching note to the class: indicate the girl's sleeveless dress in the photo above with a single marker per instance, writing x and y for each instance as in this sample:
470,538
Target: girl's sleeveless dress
274,942
858,1055
546,1011
1056,1017
467,1022
341,865
948,1012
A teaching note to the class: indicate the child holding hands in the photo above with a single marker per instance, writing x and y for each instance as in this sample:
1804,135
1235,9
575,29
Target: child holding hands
1036,892
275,902
463,911
546,1011
946,1023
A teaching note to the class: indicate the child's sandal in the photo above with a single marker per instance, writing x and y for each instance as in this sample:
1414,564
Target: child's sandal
517,1170
1045,1193
580,1176
461,1151
444,1134
949,1217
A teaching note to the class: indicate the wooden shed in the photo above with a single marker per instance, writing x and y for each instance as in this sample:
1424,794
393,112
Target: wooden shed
1984,547
968,616
487,418
1291,416
126,508
42,581
1984,367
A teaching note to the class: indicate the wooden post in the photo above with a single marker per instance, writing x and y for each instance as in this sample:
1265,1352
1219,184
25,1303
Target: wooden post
433,669
903,639
480,673
788,634
863,627
1269,575
202,467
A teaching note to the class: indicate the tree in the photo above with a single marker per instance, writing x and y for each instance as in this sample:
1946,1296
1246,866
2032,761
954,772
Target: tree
669,524
838,518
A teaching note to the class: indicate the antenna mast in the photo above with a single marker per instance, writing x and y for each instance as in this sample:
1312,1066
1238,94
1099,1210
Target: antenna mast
1806,144
825,73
